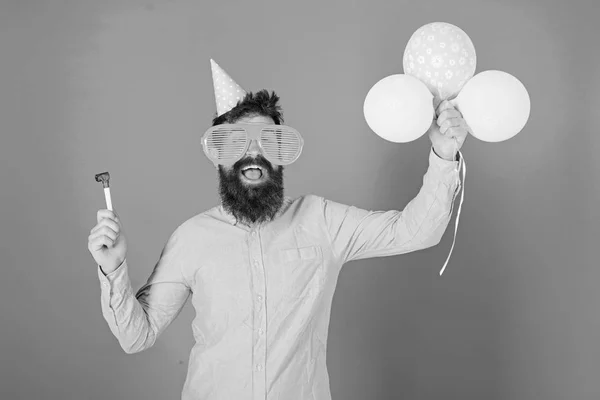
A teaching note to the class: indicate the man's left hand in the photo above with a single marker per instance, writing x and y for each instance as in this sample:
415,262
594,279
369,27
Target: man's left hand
448,132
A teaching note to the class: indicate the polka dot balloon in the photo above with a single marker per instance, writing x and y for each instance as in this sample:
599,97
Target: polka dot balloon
442,56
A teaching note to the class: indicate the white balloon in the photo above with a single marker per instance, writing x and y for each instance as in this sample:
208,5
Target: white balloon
495,105
399,108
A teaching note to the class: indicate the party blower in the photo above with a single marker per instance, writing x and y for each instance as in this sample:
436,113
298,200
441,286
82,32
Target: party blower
104,177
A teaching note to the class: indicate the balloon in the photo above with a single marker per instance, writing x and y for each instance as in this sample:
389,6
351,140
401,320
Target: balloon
495,105
399,108
441,56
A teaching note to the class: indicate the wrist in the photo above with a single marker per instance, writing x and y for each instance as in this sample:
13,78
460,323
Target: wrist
446,157
108,269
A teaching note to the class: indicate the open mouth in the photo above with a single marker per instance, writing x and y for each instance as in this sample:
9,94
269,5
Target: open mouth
253,173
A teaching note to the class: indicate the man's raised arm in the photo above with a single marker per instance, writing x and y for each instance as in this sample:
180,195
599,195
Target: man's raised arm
356,233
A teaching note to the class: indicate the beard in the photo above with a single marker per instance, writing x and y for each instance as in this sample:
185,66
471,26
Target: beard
251,203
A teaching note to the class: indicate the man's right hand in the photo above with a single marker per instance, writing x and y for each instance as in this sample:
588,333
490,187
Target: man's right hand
106,241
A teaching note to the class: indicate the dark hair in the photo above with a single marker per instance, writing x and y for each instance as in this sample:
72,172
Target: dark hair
259,103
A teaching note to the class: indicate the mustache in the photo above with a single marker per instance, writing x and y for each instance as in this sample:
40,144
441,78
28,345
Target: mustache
259,160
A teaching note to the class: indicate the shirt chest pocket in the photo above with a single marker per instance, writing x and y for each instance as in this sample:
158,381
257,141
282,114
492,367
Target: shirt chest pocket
302,271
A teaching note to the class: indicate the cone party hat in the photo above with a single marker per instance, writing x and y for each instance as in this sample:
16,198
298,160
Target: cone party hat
227,91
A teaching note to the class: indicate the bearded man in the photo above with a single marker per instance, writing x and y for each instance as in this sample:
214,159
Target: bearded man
261,268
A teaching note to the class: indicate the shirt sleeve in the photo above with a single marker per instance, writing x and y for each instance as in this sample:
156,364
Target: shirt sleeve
357,234
137,321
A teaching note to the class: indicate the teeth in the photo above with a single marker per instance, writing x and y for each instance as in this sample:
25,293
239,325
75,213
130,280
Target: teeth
251,166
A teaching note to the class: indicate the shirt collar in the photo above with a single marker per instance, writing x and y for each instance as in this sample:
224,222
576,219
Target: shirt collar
234,221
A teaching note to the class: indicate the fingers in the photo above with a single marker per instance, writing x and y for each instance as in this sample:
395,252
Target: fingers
105,228
443,106
450,118
448,114
454,124
96,243
104,231
106,222
107,214
456,134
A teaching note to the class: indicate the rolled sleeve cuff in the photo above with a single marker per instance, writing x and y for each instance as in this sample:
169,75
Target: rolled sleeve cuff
446,171
118,279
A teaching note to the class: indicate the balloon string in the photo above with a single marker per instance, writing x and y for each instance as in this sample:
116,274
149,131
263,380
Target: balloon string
455,150
462,197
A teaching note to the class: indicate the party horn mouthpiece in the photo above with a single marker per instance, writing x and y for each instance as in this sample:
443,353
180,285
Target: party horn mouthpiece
103,177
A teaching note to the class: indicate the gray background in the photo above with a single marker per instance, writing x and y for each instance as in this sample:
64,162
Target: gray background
126,87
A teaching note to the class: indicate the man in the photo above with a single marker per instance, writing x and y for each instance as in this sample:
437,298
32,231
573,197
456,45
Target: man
262,267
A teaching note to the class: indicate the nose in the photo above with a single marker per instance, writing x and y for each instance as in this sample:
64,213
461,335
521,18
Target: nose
254,148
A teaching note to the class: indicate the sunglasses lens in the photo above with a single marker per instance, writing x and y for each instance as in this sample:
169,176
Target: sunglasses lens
226,144
281,143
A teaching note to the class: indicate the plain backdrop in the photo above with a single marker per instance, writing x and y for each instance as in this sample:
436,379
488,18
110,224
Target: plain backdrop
125,87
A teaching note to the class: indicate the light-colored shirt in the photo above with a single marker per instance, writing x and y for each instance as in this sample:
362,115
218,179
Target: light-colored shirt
263,293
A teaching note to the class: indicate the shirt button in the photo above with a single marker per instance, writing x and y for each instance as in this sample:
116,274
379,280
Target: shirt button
105,284
260,331
259,297
259,367
255,263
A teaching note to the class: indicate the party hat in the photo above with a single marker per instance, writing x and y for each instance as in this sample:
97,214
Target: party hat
227,91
